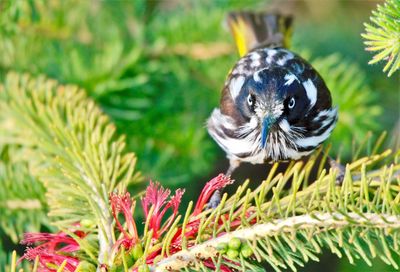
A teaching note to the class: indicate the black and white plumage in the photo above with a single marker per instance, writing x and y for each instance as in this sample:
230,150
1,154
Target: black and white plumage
274,105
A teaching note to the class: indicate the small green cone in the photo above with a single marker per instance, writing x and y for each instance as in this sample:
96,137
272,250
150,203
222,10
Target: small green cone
232,253
235,243
246,251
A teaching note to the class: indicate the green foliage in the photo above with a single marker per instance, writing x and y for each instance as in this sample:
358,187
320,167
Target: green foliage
289,227
72,149
3,256
139,70
289,219
22,204
383,35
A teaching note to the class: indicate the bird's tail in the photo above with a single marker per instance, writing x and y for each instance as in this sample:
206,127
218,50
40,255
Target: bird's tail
253,30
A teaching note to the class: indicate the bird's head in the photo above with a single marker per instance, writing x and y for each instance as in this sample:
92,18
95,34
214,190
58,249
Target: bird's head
275,99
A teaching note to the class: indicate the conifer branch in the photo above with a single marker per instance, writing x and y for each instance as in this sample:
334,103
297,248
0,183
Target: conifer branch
383,35
71,149
290,229
316,223
22,203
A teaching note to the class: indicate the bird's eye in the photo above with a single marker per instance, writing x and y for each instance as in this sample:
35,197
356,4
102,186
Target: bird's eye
292,103
250,100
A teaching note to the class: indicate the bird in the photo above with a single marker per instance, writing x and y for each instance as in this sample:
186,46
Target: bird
274,105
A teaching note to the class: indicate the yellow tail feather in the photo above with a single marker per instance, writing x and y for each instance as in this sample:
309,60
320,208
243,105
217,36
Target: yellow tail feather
257,30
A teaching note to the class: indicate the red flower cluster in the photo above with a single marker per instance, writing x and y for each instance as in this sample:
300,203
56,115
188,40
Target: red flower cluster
157,196
53,249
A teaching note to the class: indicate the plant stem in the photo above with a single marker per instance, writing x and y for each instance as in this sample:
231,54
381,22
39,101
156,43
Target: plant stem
322,221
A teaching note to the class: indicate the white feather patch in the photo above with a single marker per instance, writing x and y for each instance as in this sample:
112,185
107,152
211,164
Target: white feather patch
235,86
255,63
290,78
256,75
270,54
295,155
254,56
282,61
284,125
315,140
311,92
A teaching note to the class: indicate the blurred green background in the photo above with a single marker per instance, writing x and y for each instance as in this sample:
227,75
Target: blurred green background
157,68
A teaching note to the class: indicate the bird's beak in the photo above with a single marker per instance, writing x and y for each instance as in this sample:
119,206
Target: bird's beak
266,124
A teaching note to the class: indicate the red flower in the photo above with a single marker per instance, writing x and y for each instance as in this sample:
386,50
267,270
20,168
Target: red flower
192,226
123,203
156,196
52,241
216,183
53,250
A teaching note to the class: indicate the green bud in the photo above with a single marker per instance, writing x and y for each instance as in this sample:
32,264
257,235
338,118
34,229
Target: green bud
137,251
85,266
235,243
144,268
232,253
222,248
246,251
